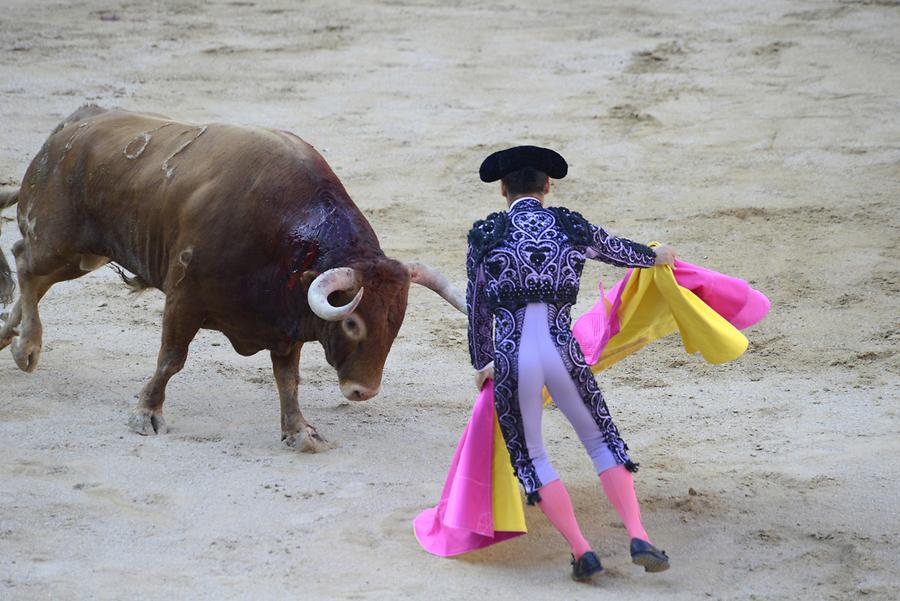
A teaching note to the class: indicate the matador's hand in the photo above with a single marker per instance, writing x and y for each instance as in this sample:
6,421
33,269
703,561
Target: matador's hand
665,255
483,374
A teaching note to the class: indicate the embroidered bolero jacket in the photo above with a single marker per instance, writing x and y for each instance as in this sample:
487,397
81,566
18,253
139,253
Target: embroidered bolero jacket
533,254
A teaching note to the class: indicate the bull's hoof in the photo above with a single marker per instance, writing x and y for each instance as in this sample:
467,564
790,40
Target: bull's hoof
307,440
147,422
25,354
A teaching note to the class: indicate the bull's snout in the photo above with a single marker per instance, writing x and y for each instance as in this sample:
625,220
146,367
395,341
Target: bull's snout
357,392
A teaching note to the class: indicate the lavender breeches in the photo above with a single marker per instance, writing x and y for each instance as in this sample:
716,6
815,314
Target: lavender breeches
540,364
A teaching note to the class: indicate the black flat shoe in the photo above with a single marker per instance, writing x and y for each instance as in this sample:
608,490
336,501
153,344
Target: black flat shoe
645,554
586,566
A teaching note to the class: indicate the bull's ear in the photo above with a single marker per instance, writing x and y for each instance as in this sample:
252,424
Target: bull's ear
307,278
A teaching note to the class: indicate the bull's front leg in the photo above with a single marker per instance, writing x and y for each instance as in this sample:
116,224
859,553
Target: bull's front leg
181,322
296,432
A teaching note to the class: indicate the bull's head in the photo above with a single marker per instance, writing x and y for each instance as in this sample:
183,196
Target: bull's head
360,328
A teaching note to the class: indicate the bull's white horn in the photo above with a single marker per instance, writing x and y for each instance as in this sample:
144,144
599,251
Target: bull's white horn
432,278
339,278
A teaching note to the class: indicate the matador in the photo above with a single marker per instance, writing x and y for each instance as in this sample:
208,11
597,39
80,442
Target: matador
524,268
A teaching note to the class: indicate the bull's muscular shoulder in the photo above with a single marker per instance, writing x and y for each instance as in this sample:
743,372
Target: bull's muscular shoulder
488,233
575,226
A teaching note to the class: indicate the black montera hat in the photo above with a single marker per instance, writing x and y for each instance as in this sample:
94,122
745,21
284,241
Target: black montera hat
503,162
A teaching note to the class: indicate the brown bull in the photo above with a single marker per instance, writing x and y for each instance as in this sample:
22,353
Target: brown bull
246,230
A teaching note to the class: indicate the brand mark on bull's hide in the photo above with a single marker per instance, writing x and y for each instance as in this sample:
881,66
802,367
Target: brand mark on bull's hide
169,170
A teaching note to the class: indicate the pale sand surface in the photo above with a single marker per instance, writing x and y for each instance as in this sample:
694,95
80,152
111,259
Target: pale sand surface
760,138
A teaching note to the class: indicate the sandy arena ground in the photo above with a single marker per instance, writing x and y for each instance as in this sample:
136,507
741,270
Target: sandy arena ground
760,138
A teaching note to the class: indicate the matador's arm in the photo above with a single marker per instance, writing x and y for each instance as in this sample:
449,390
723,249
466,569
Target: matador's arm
618,251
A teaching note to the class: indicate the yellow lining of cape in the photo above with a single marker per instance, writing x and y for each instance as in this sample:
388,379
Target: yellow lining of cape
506,502
654,305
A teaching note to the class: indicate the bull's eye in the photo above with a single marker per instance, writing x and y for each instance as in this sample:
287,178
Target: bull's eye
354,327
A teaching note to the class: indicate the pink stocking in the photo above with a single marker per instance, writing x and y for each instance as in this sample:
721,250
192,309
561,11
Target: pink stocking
557,506
619,488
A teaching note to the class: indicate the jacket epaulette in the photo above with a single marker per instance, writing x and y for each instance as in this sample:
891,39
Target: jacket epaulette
487,233
576,227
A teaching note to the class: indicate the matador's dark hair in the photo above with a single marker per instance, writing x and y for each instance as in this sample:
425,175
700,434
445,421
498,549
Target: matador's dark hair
525,181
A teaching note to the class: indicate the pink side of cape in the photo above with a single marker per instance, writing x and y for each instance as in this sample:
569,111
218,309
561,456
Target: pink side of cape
595,328
732,298
463,519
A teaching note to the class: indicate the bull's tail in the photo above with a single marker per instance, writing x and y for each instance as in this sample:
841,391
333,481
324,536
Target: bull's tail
7,284
135,282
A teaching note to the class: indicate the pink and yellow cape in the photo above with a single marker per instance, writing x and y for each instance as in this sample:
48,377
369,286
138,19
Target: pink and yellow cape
480,503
